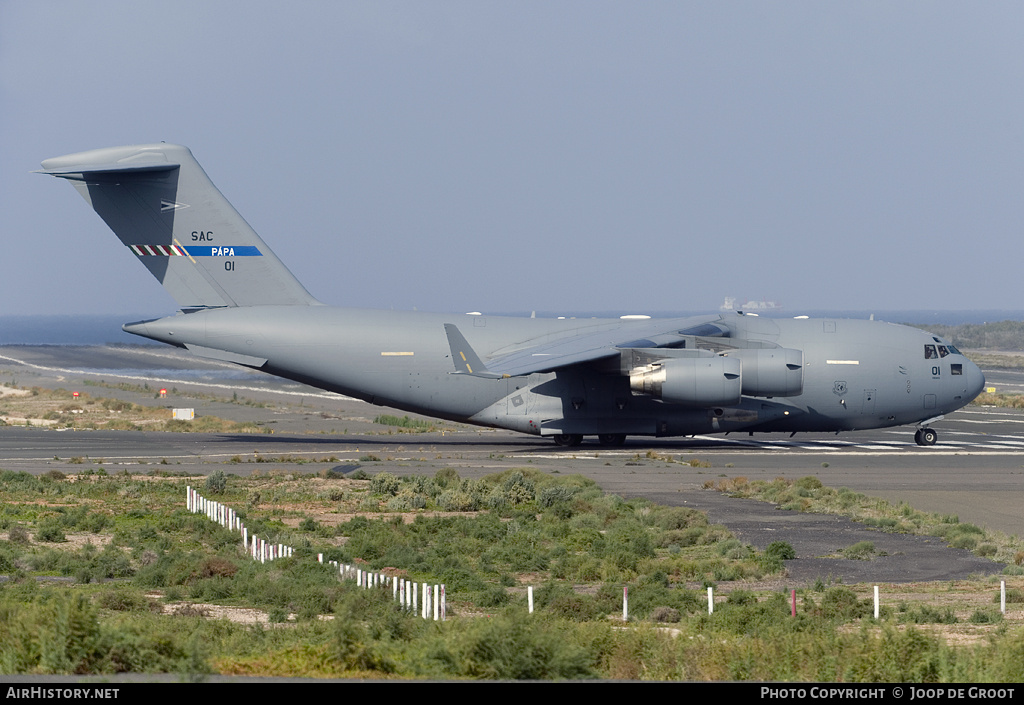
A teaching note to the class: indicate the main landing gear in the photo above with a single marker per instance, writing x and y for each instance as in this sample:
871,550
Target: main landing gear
609,440
568,440
926,437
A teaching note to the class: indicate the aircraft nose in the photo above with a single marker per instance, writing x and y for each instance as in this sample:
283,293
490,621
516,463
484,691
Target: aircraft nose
975,380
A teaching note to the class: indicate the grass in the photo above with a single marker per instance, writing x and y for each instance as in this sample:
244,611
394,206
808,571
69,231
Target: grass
405,424
1011,401
145,577
809,495
59,408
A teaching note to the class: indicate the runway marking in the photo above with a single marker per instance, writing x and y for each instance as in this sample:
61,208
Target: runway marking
1006,446
990,421
914,451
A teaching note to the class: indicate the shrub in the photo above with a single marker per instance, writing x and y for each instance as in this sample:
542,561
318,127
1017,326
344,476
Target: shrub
669,615
860,551
447,476
456,501
385,484
985,617
550,496
809,482
517,646
50,531
780,550
841,603
18,535
217,482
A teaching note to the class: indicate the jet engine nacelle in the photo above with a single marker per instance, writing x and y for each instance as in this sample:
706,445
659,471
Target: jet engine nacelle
695,381
771,372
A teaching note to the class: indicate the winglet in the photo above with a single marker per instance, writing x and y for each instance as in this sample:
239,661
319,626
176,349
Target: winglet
466,360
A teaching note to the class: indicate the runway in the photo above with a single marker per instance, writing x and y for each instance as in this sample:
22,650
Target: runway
976,470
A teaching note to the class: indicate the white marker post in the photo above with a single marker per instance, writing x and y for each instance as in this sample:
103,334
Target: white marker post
711,600
876,602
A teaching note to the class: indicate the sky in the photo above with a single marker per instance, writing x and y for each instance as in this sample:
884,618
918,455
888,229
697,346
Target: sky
549,156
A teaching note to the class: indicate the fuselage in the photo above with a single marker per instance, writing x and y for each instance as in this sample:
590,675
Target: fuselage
856,374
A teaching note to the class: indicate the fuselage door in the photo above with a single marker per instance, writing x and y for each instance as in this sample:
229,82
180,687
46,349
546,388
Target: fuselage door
869,401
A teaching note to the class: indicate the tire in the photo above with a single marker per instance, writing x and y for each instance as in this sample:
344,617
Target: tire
568,440
611,440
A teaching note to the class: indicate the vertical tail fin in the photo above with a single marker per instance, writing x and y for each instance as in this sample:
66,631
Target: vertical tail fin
164,208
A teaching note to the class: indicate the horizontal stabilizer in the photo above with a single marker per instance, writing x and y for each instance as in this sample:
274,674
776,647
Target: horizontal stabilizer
83,169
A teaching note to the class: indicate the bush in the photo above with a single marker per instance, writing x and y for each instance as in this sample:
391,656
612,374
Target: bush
217,482
18,535
841,603
50,531
385,484
780,550
515,646
447,476
809,482
860,551
456,501
550,496
123,599
665,615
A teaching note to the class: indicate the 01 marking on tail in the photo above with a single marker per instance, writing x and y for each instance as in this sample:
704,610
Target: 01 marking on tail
606,378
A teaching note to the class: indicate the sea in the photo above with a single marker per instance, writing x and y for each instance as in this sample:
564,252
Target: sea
106,329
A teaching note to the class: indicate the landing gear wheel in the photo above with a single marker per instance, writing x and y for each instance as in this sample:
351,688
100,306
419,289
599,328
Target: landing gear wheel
926,437
568,440
612,440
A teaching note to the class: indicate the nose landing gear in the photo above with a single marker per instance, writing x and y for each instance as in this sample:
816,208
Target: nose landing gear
926,437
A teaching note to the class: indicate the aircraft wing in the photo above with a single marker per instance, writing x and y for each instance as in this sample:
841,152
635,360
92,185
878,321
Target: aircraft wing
607,343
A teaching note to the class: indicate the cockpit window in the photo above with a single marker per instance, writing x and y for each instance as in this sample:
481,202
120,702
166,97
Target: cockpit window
943,351
954,351
929,352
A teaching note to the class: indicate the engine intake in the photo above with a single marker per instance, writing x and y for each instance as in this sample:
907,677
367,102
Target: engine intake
771,372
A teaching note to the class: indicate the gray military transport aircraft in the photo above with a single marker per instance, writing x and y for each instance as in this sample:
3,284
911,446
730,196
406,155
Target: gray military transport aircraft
565,379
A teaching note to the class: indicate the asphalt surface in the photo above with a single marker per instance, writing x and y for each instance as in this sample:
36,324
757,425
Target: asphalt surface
976,471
